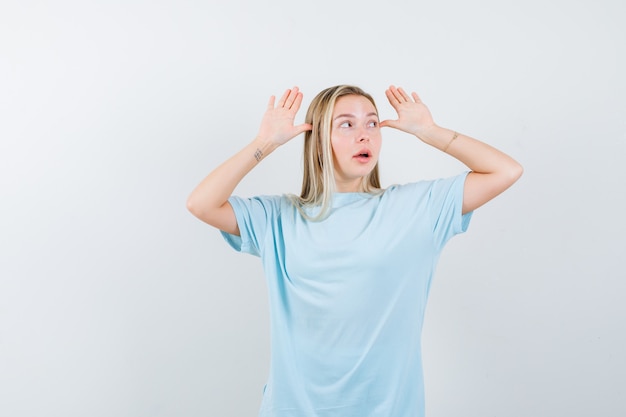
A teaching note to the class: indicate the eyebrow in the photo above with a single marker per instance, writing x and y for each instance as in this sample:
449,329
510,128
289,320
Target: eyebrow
353,116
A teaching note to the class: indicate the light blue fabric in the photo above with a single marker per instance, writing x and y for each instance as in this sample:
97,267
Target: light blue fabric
348,294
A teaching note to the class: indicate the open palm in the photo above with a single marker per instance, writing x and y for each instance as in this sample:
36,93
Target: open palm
413,115
277,124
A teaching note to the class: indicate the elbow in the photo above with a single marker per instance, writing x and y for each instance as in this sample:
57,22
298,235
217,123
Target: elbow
514,172
198,210
203,210
192,206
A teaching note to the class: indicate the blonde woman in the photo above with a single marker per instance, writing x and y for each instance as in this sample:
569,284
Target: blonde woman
348,264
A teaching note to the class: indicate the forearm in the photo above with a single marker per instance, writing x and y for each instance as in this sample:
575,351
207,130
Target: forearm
476,155
213,192
209,200
493,171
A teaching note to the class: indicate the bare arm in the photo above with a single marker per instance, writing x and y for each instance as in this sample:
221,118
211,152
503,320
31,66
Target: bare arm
209,200
492,170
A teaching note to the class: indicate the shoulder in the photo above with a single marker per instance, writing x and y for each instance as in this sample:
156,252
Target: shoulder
427,186
408,187
274,204
425,191
409,190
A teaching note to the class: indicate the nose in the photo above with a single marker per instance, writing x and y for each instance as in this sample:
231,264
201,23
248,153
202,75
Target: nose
363,135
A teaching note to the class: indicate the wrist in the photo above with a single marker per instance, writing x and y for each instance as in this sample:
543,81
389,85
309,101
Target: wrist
429,134
438,137
261,147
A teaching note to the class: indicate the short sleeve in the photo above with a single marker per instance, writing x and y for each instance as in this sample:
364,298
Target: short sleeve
446,207
254,216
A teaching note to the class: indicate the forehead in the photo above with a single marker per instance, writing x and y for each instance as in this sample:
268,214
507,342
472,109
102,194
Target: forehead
353,104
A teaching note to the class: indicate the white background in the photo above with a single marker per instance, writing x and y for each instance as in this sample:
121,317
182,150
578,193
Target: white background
115,301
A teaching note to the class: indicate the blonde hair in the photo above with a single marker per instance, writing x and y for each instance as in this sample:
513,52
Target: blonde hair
318,180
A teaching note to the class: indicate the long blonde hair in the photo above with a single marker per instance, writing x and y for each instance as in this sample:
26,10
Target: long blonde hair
318,180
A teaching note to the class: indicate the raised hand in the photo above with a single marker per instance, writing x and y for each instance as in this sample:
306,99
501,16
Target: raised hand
277,124
413,115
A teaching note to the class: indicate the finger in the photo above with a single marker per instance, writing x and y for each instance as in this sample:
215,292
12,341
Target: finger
270,104
297,102
391,97
293,94
399,98
283,99
416,97
403,94
388,123
304,127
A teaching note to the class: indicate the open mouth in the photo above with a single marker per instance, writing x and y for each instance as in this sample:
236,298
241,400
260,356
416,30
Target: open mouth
363,156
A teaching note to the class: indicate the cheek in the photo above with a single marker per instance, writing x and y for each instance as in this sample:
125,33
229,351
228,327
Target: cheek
377,143
339,145
333,145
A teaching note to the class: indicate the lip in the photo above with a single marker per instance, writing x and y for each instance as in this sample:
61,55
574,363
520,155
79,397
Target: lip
363,153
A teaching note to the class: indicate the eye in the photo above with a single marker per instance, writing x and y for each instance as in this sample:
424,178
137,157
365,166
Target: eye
345,124
373,123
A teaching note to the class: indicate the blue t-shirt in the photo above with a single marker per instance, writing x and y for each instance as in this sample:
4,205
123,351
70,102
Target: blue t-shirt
347,296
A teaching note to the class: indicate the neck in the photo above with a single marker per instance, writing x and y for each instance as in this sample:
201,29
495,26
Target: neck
353,186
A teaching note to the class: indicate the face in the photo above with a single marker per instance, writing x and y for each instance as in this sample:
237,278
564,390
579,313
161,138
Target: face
355,140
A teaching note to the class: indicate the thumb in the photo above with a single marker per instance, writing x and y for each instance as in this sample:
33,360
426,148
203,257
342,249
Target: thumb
389,123
303,127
